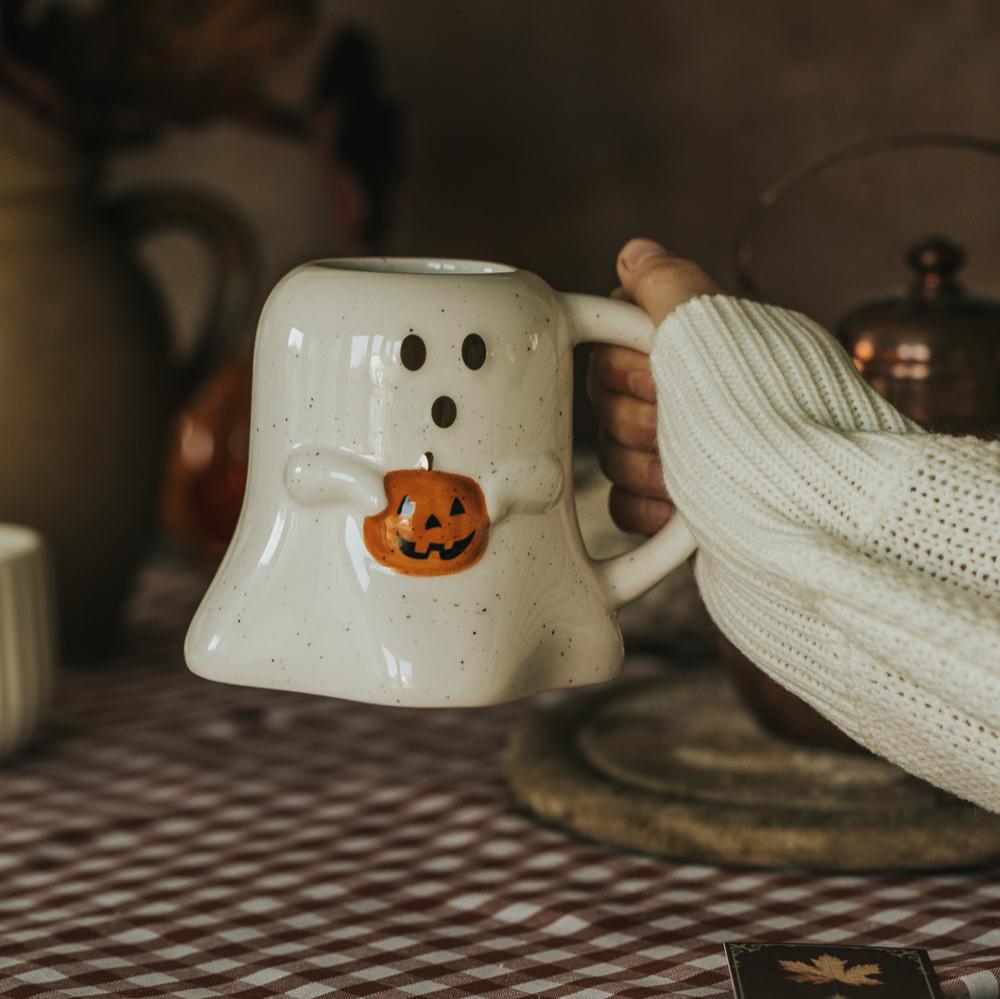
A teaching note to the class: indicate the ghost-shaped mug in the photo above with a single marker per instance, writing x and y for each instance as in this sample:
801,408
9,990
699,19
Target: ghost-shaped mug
408,534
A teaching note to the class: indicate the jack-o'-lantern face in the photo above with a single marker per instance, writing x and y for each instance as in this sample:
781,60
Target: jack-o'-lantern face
434,523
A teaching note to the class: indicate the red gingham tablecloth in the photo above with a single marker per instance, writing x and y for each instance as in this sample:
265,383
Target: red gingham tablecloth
173,837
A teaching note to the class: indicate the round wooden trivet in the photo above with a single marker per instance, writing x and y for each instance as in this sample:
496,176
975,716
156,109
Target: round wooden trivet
676,766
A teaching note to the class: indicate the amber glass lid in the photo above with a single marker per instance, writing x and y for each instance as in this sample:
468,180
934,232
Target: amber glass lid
936,296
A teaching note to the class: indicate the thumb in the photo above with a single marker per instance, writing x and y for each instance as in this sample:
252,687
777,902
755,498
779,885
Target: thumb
659,281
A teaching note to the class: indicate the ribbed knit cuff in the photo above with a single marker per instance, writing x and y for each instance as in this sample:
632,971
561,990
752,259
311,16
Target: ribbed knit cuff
850,554
764,424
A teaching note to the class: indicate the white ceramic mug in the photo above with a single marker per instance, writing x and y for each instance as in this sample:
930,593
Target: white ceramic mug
408,534
27,635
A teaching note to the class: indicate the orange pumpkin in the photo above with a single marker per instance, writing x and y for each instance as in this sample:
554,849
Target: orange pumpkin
434,523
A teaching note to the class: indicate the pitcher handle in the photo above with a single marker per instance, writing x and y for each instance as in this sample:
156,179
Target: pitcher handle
627,576
138,213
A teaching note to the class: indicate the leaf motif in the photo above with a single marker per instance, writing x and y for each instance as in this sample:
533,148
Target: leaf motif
823,969
858,974
827,968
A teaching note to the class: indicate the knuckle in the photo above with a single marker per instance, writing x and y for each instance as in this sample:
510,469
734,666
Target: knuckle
654,514
606,459
599,358
653,477
607,362
630,422
621,505
635,476
643,434
635,513
617,415
600,398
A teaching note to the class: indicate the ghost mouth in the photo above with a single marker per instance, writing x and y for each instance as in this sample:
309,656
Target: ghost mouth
409,548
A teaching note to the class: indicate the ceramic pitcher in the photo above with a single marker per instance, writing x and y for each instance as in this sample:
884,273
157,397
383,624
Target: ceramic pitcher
408,534
87,381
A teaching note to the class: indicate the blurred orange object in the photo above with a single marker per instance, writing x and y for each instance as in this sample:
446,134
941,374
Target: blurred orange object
356,132
207,469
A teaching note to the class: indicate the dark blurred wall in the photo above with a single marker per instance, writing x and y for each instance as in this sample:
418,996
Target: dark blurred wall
545,133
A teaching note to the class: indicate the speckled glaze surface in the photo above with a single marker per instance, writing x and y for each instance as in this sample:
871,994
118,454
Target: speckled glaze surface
316,594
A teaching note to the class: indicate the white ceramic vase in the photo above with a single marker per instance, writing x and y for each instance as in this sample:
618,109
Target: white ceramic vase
27,635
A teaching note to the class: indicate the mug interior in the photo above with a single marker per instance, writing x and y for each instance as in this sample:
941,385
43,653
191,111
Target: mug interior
415,265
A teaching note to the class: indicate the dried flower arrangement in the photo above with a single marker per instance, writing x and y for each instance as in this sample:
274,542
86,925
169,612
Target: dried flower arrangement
115,73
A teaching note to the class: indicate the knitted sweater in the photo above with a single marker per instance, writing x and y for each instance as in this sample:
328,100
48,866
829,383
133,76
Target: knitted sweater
851,555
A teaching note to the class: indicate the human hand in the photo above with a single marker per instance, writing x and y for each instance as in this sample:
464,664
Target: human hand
621,388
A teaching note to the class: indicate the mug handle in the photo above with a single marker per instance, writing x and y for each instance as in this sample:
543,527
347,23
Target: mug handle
139,213
627,576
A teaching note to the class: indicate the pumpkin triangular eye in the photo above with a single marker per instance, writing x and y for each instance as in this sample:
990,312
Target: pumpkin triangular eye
456,508
406,507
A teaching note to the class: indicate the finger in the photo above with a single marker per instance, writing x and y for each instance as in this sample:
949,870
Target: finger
637,472
624,370
658,280
630,421
638,513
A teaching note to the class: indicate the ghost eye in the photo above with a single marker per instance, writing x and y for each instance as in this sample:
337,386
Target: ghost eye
456,508
474,351
413,352
406,507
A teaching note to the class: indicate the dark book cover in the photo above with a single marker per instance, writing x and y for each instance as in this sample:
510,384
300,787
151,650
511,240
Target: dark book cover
829,971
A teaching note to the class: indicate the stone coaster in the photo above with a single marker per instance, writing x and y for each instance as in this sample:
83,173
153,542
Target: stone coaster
677,766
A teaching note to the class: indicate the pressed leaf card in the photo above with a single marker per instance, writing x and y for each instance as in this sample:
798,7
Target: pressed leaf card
829,971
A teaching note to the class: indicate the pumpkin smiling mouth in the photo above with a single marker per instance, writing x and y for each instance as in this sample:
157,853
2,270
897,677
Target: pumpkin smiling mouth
434,523
409,548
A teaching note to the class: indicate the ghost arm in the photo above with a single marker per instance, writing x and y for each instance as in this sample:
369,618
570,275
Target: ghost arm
318,476
528,483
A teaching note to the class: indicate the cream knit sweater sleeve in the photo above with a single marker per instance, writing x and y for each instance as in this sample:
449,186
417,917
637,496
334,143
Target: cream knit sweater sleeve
852,556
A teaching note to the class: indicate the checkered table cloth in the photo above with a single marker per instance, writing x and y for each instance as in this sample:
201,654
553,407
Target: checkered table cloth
173,837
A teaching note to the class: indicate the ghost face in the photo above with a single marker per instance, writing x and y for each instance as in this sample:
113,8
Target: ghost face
433,524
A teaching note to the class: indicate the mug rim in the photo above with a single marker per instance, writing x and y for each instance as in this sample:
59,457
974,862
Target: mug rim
419,266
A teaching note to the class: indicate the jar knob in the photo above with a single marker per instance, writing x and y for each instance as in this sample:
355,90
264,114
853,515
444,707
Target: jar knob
935,262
